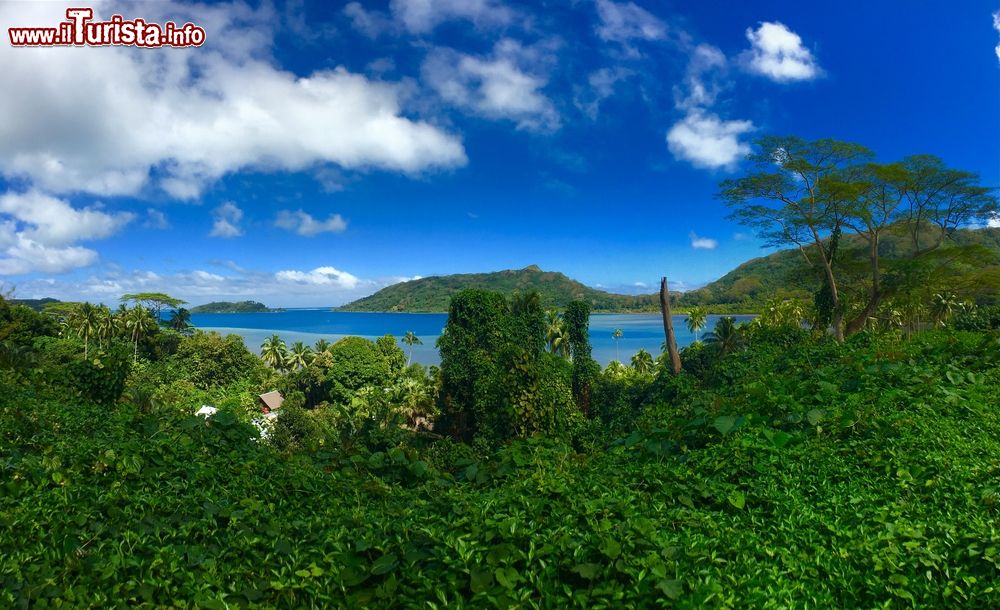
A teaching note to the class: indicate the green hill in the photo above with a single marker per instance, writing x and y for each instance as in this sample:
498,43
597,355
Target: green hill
785,273
432,294
229,307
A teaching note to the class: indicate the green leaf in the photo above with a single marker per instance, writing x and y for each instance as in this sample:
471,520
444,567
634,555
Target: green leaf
726,423
671,588
815,416
611,548
507,577
480,580
737,499
384,564
780,438
587,570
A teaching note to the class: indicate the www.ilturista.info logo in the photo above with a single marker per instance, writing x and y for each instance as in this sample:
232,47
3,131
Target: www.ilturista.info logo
80,30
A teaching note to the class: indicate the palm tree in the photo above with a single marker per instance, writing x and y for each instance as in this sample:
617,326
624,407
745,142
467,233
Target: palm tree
299,356
274,352
696,320
725,335
181,321
616,336
942,306
138,321
642,362
106,325
85,321
411,339
321,345
555,333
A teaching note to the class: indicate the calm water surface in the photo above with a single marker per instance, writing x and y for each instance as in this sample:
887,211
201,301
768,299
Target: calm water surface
639,331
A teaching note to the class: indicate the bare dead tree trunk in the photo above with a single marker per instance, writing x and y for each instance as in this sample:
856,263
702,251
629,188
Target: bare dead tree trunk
668,327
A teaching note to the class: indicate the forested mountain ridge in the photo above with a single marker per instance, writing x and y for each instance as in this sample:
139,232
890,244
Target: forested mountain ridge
432,294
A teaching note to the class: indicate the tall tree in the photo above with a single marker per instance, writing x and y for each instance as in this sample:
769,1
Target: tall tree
138,321
785,200
273,352
617,335
696,319
181,320
299,356
153,301
642,362
411,339
84,321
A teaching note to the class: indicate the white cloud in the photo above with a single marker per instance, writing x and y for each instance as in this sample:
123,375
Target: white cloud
422,16
701,83
370,23
777,53
156,219
994,221
227,218
708,141
320,276
996,26
702,243
738,236
602,84
500,86
304,224
626,21
39,232
183,118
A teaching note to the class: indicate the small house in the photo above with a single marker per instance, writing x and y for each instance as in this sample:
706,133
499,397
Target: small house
271,402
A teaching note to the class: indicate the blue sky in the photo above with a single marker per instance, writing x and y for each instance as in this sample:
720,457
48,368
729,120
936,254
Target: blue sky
312,153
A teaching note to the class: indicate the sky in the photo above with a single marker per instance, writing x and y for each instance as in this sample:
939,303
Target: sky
308,154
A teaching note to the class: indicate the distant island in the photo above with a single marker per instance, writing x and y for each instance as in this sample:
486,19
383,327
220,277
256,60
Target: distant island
432,294
233,307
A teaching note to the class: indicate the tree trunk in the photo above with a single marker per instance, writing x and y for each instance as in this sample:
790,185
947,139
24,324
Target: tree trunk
838,314
668,327
875,294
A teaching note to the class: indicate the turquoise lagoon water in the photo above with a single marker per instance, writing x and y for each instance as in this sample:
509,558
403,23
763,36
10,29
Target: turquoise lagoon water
639,331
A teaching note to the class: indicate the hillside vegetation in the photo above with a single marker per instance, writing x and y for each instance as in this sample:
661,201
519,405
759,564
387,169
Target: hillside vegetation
231,307
785,274
432,294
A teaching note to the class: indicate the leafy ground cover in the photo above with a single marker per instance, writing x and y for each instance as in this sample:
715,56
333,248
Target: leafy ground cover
799,475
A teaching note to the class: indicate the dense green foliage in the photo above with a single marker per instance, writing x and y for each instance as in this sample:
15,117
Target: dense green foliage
794,472
433,294
231,307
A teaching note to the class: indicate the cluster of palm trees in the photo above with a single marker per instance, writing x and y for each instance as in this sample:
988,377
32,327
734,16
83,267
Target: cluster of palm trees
99,324
279,356
276,354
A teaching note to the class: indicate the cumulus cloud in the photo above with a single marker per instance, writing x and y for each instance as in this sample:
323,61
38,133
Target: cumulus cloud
505,85
994,222
777,53
39,232
707,141
304,224
323,286
626,21
181,119
702,243
996,26
320,276
227,218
